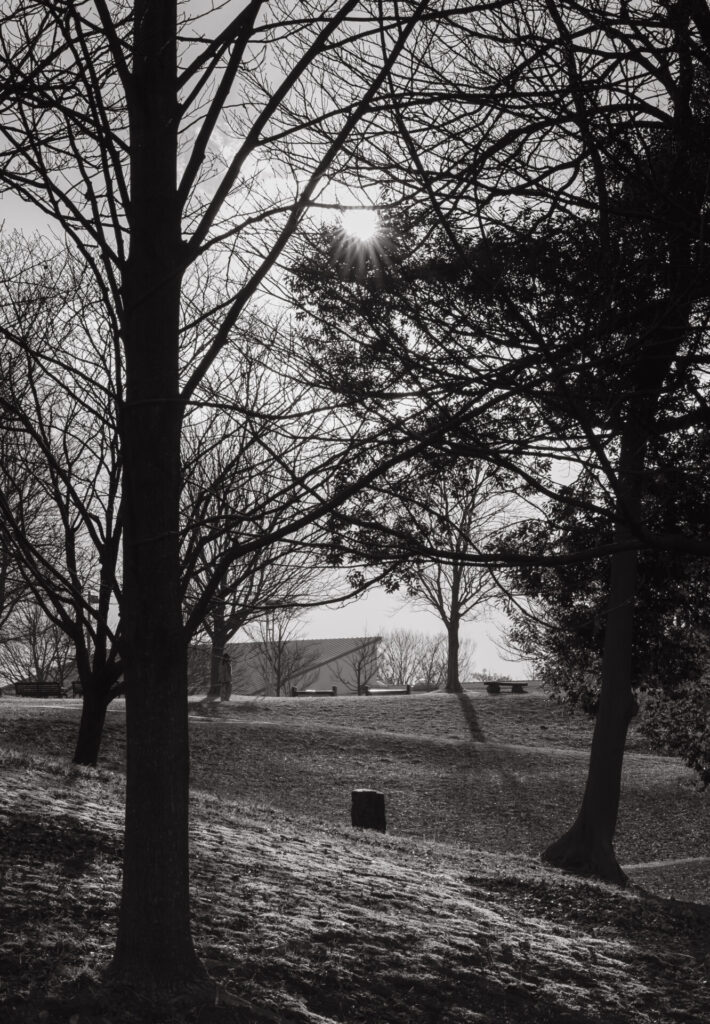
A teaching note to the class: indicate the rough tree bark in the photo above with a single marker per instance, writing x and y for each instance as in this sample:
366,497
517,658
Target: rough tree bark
98,676
154,944
219,641
587,848
453,683
95,702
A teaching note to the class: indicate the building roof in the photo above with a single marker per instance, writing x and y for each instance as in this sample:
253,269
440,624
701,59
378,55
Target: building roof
316,652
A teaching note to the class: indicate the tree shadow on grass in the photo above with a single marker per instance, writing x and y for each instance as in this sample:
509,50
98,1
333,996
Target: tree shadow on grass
508,788
61,840
396,986
470,717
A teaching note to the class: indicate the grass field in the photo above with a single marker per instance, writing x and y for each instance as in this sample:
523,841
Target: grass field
448,918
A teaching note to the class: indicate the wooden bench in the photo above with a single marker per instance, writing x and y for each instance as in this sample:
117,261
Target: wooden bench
332,692
373,691
38,688
495,686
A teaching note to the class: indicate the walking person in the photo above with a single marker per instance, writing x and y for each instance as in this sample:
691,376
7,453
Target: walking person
225,678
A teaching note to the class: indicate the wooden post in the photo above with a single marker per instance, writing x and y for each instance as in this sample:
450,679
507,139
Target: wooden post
368,809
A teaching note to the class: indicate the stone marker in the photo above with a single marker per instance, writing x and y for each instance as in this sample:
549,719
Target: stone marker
368,809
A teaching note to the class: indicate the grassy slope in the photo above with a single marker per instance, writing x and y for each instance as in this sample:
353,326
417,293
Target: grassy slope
307,756
297,912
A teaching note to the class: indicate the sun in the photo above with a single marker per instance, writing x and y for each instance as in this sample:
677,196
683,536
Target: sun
361,223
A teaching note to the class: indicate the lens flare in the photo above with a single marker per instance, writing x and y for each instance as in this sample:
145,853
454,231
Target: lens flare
361,223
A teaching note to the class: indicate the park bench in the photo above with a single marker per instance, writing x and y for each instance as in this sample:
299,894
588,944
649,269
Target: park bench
495,686
38,688
374,691
332,692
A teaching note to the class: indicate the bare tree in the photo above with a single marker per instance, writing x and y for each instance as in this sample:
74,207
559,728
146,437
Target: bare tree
60,476
234,490
114,120
398,658
432,662
453,507
279,657
361,668
419,660
34,647
463,512
14,589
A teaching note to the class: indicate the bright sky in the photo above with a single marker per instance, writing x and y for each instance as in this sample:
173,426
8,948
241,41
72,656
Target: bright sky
360,223
15,214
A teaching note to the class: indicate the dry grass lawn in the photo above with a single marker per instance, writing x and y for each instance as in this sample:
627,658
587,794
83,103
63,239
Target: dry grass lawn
448,919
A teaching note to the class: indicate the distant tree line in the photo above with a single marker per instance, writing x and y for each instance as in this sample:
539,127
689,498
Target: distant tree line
420,660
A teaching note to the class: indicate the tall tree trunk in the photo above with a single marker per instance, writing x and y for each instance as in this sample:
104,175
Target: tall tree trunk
154,945
91,726
97,676
98,687
453,684
219,641
587,847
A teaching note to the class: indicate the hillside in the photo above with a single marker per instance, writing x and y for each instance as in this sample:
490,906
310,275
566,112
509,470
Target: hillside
499,774
302,916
